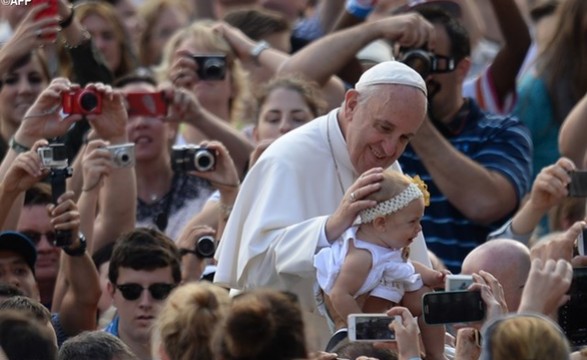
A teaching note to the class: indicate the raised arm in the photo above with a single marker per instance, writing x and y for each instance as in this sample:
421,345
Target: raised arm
117,201
79,305
508,61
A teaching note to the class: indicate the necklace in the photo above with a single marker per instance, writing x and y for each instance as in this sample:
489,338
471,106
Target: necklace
334,159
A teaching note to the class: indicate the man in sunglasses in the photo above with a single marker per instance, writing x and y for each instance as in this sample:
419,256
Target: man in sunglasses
144,268
35,223
477,165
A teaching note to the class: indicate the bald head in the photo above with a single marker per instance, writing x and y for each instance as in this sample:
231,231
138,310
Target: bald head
507,260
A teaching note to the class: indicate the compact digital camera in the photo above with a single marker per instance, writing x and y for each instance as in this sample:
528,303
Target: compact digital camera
211,67
205,247
192,158
81,101
426,62
53,156
122,155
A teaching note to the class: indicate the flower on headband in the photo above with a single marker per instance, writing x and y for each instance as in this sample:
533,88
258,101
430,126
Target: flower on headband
423,188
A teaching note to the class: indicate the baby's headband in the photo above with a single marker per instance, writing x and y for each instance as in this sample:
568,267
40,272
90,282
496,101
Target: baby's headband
417,189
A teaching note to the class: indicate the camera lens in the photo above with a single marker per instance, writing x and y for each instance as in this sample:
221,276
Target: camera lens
205,247
204,160
418,60
214,69
88,101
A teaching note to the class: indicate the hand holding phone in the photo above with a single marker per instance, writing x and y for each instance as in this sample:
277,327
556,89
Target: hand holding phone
572,316
578,185
371,327
50,11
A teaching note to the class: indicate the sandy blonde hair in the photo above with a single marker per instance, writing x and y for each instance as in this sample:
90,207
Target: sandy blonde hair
188,319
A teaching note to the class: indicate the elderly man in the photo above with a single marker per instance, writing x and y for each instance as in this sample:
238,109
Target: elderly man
309,186
507,260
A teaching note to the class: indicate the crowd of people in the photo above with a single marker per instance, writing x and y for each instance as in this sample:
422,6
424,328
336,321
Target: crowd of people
234,179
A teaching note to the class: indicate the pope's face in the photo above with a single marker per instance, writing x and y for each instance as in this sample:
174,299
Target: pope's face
381,121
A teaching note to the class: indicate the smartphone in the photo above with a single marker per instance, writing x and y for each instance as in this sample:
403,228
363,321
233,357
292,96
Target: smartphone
582,242
572,316
578,185
371,327
50,11
146,104
447,307
457,282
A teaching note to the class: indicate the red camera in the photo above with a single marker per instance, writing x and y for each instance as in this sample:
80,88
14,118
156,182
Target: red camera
146,104
81,101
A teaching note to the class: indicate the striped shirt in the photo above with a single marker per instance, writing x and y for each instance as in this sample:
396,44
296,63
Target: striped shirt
499,143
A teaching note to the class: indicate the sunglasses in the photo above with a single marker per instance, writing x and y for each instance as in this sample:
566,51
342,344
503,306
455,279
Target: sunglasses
158,291
35,236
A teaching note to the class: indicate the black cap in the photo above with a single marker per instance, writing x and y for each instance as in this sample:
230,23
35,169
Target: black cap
20,244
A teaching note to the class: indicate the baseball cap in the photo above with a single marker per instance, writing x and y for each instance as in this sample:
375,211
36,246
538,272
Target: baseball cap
450,6
20,244
391,73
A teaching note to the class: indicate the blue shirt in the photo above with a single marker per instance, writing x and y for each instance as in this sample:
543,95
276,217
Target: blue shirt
498,143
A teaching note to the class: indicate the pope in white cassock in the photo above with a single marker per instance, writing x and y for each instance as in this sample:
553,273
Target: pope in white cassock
309,185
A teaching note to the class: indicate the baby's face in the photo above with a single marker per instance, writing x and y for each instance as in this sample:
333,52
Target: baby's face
403,226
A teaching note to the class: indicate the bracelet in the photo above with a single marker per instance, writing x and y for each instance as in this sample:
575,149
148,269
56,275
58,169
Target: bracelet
16,146
67,21
258,49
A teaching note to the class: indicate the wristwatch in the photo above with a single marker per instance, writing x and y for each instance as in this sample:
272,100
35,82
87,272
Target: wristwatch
80,250
258,49
16,146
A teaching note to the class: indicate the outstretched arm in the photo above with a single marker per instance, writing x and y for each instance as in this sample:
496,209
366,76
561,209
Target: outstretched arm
508,61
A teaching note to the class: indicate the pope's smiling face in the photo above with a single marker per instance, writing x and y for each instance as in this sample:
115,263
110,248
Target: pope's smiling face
380,122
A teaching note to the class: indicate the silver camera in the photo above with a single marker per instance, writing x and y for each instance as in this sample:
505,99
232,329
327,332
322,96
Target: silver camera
123,155
192,158
53,156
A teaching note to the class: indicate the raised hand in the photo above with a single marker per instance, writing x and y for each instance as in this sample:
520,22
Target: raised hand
96,164
43,119
110,123
26,170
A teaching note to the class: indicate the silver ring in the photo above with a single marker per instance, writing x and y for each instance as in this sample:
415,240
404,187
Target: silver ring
353,197
38,32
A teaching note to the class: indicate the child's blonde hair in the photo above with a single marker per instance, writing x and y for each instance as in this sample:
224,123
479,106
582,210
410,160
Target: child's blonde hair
392,184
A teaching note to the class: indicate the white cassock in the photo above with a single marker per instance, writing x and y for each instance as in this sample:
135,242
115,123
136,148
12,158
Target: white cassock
277,222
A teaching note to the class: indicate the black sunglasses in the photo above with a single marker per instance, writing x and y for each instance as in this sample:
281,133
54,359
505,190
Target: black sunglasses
158,291
35,236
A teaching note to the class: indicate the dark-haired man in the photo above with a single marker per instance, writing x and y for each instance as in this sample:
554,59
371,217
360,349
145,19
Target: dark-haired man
144,268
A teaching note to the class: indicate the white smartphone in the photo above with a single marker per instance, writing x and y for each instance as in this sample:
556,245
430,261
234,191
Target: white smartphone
457,282
371,327
581,243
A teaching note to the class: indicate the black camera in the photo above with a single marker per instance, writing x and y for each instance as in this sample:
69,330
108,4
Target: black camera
192,158
426,62
211,67
54,157
205,247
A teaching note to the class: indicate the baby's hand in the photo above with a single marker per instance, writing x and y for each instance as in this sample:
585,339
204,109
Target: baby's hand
430,277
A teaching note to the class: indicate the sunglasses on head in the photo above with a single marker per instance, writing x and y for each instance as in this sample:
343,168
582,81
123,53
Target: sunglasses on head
158,291
35,236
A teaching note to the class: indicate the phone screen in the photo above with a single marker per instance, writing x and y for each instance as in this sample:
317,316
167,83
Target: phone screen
370,328
146,104
446,307
578,185
572,316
